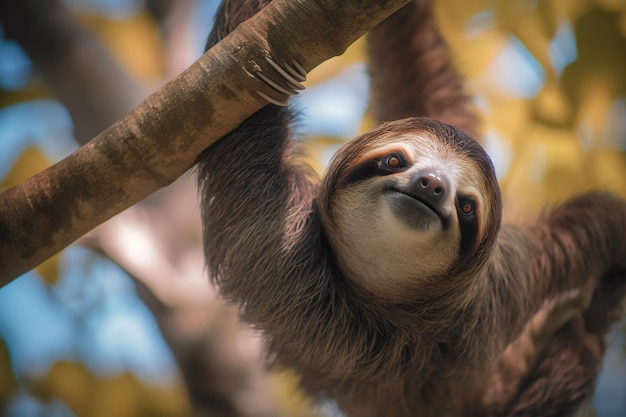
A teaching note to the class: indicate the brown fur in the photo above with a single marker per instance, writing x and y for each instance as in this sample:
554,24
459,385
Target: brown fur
266,222
408,58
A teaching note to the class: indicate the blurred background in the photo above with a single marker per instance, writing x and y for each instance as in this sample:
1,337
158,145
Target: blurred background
125,322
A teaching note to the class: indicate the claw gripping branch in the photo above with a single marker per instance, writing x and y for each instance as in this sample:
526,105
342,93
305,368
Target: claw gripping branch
289,75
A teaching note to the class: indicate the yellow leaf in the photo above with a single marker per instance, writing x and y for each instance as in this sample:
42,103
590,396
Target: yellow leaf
8,384
30,162
134,41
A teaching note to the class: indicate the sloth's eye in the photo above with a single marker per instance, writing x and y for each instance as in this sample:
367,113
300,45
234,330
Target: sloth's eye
395,161
467,208
466,205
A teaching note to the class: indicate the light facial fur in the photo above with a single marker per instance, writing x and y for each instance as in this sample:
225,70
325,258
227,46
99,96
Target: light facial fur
409,251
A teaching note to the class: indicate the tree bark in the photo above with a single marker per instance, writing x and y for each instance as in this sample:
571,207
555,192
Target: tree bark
161,138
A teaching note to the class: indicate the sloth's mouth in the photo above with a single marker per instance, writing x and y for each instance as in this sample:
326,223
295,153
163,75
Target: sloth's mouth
445,220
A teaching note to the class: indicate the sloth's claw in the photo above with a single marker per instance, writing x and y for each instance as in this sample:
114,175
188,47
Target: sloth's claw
293,81
275,85
291,75
301,72
271,99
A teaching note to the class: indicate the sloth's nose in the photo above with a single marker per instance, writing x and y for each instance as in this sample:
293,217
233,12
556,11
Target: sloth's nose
431,186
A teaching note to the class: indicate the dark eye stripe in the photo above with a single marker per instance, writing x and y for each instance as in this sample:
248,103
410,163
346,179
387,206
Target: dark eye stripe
468,224
373,168
362,172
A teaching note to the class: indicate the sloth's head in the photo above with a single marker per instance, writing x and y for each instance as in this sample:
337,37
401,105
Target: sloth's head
406,205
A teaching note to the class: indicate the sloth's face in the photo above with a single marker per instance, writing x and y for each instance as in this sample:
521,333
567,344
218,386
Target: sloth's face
405,209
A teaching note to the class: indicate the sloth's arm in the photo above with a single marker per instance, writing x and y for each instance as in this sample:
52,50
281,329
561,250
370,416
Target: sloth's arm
575,246
262,235
412,71
520,358
582,243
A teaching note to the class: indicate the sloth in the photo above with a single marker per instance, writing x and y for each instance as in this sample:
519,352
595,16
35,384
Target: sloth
391,286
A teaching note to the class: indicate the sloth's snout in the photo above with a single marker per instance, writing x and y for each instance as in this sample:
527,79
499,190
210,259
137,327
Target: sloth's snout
430,186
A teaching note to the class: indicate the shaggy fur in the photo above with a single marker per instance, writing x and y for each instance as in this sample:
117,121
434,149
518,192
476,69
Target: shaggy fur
408,58
269,226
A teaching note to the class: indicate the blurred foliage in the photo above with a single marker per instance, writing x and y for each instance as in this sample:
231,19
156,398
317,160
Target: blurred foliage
28,163
549,77
121,395
8,383
567,133
290,400
134,41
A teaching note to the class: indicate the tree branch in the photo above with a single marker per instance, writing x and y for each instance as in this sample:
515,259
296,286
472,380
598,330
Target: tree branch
160,139
153,242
